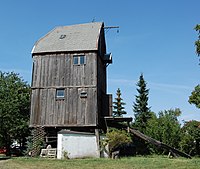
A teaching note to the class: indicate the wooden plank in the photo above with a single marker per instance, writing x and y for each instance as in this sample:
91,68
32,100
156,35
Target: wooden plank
35,107
51,71
42,71
47,82
74,105
69,66
81,107
62,70
62,112
60,87
43,106
91,108
90,69
158,143
67,103
69,125
50,107
38,72
70,108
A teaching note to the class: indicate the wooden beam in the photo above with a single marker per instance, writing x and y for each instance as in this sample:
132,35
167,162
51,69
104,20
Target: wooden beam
159,144
60,87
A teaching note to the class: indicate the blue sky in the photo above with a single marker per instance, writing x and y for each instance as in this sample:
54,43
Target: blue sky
155,38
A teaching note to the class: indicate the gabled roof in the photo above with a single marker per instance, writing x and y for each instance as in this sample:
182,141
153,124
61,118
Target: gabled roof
82,37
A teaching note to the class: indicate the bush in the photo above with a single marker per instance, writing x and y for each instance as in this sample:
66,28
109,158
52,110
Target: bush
116,139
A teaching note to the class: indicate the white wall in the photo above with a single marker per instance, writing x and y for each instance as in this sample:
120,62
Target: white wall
77,146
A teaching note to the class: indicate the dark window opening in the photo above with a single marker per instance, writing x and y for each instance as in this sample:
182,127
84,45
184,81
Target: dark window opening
83,94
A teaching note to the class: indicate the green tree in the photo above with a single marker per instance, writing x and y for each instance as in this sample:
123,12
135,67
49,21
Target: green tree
194,98
140,106
197,42
165,128
190,137
118,105
14,109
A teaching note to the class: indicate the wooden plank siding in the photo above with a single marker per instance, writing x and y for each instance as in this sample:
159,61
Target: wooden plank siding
53,71
58,70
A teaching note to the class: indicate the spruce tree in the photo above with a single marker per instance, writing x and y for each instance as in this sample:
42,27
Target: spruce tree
118,105
140,106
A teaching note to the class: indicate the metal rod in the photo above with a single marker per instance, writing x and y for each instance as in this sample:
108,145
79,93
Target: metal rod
110,27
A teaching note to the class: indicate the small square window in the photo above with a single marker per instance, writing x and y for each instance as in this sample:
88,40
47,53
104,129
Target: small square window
79,59
75,60
60,93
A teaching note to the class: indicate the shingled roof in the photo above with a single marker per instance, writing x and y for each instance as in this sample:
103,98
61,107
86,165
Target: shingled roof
82,37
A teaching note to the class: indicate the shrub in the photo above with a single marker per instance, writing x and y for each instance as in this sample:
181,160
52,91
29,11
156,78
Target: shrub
115,139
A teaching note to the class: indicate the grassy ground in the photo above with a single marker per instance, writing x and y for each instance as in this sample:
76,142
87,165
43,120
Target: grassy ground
123,163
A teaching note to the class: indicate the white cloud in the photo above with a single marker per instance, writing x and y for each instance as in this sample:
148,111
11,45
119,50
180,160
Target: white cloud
124,82
152,85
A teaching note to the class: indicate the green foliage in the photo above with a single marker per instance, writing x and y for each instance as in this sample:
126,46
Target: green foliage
66,155
165,128
140,106
115,139
195,97
14,108
197,42
191,137
29,145
118,105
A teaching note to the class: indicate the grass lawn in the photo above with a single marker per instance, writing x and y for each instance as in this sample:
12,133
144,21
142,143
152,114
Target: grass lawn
123,163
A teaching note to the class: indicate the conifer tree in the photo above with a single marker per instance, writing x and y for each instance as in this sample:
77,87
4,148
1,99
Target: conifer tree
118,105
140,106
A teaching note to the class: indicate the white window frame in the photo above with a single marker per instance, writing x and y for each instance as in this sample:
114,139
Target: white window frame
79,59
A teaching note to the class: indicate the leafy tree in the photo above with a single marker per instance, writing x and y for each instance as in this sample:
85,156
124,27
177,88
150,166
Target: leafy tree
14,109
197,42
190,137
118,105
195,97
165,128
140,106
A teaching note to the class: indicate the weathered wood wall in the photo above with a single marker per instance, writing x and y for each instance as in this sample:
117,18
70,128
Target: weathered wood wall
57,70
53,71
